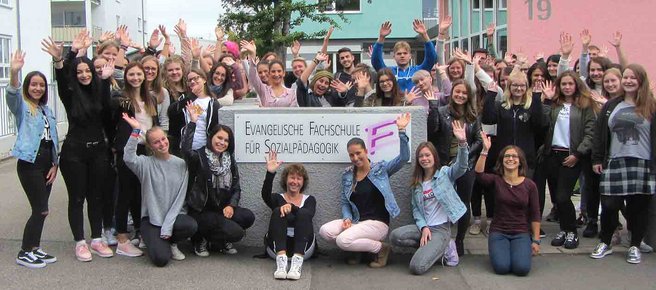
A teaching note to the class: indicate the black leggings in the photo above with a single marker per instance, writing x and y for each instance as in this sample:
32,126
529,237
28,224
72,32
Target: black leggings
464,187
561,181
301,221
478,193
214,227
591,190
636,213
159,250
32,177
110,193
84,169
129,194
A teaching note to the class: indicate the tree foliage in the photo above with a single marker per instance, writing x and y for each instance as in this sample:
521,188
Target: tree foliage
271,22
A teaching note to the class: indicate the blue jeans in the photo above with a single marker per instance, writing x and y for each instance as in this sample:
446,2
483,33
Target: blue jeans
510,253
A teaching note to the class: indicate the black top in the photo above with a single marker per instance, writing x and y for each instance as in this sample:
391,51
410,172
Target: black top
370,202
276,200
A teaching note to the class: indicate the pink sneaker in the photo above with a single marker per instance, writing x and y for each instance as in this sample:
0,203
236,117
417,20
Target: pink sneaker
128,249
99,248
451,258
82,251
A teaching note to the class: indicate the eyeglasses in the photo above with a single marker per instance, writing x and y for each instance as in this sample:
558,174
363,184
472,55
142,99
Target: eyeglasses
193,79
385,81
150,69
513,156
518,86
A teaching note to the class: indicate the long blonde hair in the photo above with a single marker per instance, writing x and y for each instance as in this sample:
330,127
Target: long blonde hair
517,77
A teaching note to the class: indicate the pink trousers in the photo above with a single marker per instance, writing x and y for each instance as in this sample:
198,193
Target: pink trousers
364,236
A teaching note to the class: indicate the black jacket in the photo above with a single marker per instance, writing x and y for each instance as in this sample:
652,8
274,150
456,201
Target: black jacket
440,133
306,98
201,186
601,144
122,129
517,126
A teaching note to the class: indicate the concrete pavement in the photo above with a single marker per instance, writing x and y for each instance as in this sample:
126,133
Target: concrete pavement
555,269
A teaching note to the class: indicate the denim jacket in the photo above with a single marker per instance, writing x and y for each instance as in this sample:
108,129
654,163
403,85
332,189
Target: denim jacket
379,175
29,126
445,193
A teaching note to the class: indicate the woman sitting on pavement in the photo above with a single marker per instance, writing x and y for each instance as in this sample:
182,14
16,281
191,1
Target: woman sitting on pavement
163,178
435,206
291,232
516,210
213,199
367,200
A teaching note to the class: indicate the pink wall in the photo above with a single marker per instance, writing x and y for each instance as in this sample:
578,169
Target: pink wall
636,19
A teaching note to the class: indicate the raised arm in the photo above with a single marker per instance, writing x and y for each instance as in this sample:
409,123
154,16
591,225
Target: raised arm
566,47
616,41
442,37
431,56
272,165
395,164
491,50
13,93
461,165
130,157
377,54
586,38
326,39
480,164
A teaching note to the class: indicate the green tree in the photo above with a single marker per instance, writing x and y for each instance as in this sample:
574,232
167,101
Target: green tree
270,22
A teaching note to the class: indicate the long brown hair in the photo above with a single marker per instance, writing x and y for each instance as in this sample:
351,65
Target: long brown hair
645,103
156,85
468,112
26,88
129,92
418,173
397,95
581,97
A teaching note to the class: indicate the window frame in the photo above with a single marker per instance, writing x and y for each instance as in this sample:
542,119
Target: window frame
335,11
5,43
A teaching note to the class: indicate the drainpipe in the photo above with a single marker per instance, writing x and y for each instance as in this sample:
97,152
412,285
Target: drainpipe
18,26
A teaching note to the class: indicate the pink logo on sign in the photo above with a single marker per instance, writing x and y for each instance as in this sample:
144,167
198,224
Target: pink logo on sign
376,135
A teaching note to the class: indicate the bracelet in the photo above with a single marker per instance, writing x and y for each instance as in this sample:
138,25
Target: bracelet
537,242
58,60
483,154
124,47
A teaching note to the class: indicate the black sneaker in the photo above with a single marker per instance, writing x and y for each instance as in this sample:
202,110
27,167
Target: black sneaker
559,240
591,230
43,256
28,259
571,240
542,234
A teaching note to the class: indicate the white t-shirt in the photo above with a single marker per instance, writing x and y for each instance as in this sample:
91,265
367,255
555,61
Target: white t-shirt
434,212
561,129
200,135
145,120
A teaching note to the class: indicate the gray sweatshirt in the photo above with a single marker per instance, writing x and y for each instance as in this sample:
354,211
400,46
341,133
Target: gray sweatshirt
163,185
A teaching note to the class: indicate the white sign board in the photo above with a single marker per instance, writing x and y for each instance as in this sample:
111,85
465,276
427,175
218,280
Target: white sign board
314,138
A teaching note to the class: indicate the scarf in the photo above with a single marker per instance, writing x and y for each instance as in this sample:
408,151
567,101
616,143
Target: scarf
216,90
220,168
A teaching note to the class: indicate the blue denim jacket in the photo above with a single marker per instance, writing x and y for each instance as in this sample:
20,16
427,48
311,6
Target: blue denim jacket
29,126
379,175
445,193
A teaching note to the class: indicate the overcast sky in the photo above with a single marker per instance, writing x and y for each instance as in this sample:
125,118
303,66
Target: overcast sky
200,15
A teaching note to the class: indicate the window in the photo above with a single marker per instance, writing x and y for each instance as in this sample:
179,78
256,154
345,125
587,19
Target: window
340,5
4,2
118,20
139,24
68,19
503,4
5,56
476,4
489,4
429,13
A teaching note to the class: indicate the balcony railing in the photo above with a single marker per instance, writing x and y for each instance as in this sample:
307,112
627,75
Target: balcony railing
67,34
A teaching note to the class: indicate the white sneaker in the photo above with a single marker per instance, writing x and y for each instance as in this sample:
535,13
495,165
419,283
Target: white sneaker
176,254
644,248
475,228
229,249
281,270
109,238
295,270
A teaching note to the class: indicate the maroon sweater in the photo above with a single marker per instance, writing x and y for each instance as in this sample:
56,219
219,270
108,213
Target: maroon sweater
515,206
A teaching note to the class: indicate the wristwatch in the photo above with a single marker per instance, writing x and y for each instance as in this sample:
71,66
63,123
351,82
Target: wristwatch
537,242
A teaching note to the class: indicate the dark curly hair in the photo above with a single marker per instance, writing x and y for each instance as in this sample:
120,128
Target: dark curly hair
295,168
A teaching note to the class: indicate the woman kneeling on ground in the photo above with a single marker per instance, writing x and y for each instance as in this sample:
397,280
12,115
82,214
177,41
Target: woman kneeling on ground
435,206
213,199
290,228
516,210
367,200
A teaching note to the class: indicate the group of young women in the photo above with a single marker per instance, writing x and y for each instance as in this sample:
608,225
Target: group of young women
542,123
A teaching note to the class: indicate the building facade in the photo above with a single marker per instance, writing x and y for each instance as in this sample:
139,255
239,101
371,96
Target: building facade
361,31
